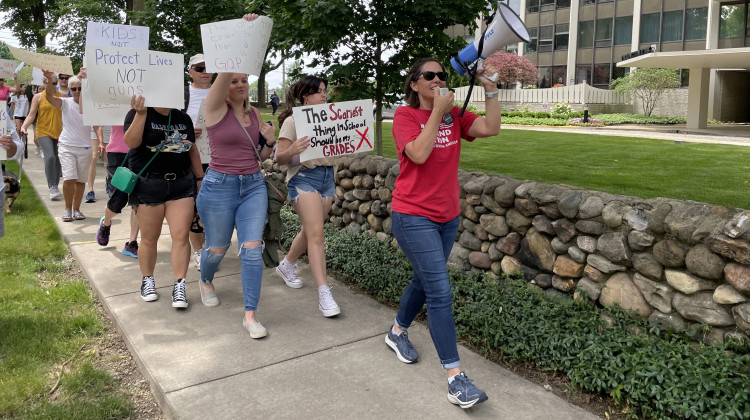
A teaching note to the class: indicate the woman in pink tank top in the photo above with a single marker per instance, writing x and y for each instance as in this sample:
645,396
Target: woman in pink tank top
233,194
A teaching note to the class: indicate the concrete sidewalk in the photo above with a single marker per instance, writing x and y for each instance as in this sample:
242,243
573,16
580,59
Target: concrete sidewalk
202,364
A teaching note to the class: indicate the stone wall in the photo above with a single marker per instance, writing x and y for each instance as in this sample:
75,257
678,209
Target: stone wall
677,263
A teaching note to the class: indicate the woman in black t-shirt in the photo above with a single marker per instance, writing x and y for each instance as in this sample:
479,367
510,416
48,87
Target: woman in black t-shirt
166,189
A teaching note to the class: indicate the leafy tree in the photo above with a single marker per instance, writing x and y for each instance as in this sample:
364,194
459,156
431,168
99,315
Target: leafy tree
5,52
367,47
28,19
647,85
512,68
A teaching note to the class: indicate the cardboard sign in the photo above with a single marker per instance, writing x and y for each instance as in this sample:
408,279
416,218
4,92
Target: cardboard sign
37,76
102,34
5,129
202,141
55,63
236,46
116,74
335,129
109,35
7,69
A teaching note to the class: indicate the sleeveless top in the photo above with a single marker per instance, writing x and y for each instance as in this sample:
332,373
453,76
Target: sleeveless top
48,119
231,151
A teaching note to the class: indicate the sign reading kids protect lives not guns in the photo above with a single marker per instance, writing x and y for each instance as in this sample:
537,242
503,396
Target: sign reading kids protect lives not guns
116,74
237,45
335,129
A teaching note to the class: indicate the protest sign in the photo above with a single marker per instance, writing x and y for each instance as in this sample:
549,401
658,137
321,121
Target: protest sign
7,68
236,46
54,63
335,129
116,74
4,130
102,34
202,141
37,76
109,35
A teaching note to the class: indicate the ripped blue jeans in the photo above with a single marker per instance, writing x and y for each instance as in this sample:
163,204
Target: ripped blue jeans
226,202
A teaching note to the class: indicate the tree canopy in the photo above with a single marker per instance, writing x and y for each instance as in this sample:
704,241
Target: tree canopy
647,84
512,68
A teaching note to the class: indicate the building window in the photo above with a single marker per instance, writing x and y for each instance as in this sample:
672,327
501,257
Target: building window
586,34
604,32
585,2
531,46
558,75
544,77
601,74
561,36
532,6
650,28
563,3
547,5
583,73
623,30
732,24
545,38
671,29
512,48
696,22
618,72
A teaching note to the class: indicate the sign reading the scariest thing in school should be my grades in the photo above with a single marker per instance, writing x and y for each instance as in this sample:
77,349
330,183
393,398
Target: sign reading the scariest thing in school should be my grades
116,74
335,129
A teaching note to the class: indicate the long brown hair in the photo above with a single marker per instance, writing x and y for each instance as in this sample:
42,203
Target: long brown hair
411,97
296,93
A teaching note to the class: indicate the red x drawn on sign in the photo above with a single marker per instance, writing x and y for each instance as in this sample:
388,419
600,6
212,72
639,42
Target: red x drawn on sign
364,138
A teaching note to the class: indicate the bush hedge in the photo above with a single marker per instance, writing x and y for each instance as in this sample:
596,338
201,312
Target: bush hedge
612,119
652,373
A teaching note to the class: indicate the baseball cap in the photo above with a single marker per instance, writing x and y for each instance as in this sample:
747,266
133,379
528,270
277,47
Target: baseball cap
198,58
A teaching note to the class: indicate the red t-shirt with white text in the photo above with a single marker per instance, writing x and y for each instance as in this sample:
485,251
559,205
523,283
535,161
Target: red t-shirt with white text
430,189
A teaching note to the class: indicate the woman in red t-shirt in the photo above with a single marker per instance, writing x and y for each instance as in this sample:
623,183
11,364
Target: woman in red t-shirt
425,210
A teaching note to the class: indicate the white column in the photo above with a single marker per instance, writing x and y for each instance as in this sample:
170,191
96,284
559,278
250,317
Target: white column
712,42
635,36
697,114
570,74
522,15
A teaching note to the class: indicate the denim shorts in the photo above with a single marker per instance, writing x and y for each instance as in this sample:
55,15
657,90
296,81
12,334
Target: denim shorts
153,189
318,179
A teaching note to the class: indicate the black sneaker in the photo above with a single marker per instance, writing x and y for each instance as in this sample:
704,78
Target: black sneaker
179,295
402,346
131,249
464,393
102,234
148,289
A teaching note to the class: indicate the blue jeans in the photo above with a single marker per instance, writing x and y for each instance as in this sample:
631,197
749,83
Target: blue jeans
318,179
427,244
229,201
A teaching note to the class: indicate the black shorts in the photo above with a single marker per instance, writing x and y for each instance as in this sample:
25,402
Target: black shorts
20,118
117,199
154,189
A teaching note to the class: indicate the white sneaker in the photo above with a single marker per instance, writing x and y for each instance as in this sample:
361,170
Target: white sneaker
326,304
41,153
36,151
54,194
287,272
197,259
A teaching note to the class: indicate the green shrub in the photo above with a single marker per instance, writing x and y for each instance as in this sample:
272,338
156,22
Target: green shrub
605,351
561,108
534,121
613,119
515,114
542,114
575,114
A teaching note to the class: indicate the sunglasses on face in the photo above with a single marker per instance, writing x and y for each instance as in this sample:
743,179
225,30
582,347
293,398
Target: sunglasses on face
429,75
199,69
62,78
75,89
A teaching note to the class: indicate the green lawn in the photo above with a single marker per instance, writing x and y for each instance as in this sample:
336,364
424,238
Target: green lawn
47,319
638,167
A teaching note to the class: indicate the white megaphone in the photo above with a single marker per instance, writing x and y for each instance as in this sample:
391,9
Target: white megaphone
505,29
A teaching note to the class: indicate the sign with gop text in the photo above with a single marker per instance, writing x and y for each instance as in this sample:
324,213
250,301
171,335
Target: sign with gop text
236,46
335,129
109,35
7,68
116,74
55,63
5,129
113,35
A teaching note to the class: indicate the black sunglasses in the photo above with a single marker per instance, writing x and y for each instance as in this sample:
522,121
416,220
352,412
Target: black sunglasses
75,89
429,75
199,69
62,78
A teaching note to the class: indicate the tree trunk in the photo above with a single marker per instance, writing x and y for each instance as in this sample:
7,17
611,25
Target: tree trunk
38,13
262,88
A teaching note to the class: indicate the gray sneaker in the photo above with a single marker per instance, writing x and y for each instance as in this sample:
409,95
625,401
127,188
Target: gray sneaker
402,346
54,194
464,393
288,272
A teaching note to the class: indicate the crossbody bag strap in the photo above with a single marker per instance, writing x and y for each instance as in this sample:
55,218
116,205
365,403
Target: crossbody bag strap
260,161
169,123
